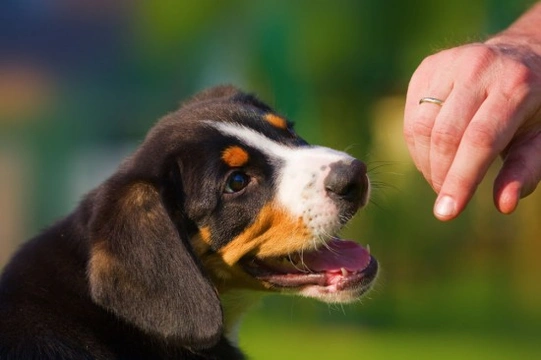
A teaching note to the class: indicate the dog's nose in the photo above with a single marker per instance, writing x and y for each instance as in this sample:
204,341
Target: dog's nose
347,184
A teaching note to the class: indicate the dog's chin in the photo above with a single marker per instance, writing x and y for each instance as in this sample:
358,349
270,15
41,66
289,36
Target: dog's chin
341,271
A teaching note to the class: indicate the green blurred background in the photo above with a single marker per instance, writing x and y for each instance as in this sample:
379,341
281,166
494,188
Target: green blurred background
82,81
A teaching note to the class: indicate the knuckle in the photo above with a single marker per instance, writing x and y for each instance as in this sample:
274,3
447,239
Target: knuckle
408,133
444,138
521,74
427,66
430,60
479,135
520,83
422,127
420,74
478,57
475,63
518,74
461,184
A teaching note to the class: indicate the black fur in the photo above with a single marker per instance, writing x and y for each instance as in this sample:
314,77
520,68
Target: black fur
118,279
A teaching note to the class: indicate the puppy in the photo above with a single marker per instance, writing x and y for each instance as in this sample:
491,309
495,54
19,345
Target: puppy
222,198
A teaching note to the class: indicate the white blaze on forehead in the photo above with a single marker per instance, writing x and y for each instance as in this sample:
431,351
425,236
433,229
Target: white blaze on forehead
300,179
252,138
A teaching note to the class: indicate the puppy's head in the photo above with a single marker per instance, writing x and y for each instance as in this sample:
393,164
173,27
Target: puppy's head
223,194
273,204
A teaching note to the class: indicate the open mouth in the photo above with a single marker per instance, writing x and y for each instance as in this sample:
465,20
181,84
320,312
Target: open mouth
339,265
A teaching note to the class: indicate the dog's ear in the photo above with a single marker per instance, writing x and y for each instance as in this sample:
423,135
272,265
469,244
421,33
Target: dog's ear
142,268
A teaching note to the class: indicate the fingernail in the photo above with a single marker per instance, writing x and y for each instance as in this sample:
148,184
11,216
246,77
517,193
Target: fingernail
445,206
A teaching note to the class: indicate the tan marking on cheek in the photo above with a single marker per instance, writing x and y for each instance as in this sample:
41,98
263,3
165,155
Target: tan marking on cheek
201,241
274,233
235,156
276,121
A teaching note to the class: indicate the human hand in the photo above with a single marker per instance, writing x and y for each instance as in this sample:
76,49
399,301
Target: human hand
492,106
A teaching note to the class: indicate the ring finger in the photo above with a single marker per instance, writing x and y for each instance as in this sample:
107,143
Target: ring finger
425,115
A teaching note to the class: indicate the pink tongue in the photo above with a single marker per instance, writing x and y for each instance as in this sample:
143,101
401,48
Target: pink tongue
336,255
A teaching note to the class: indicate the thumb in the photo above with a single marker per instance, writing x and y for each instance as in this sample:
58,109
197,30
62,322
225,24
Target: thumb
520,172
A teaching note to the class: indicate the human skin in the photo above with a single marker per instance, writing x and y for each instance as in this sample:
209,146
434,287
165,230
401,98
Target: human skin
492,107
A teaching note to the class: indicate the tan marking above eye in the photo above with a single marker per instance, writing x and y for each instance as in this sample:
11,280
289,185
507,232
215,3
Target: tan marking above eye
235,156
276,121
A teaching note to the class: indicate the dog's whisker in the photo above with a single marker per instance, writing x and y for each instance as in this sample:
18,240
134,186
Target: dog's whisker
375,165
295,262
302,263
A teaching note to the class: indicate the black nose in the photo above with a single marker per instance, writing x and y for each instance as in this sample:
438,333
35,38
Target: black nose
347,185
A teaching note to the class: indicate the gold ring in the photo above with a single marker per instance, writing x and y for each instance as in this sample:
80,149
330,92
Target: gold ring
431,100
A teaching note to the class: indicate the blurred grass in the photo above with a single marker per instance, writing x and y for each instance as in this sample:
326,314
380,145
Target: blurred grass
283,340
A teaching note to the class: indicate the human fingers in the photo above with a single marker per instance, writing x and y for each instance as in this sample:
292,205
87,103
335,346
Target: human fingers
449,127
488,133
510,78
520,173
429,80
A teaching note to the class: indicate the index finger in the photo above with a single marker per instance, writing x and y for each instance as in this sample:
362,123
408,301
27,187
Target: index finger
488,133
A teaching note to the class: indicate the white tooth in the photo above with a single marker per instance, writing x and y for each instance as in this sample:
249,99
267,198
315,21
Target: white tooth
344,272
368,248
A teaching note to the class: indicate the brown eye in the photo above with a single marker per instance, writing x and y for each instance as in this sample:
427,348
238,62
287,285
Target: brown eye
236,182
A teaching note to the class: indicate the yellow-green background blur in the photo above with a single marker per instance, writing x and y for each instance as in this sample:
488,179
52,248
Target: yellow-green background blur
82,81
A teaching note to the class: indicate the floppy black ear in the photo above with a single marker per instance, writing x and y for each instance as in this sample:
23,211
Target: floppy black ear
142,269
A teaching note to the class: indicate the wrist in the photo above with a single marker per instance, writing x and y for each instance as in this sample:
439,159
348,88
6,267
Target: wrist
518,41
524,33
